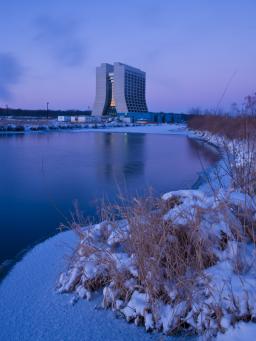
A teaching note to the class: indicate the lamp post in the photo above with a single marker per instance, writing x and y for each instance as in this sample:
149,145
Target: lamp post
47,109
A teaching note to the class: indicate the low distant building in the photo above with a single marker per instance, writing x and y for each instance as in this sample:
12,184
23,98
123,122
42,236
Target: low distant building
154,117
78,119
63,118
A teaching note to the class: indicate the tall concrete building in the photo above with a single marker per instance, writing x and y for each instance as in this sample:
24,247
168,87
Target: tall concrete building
120,88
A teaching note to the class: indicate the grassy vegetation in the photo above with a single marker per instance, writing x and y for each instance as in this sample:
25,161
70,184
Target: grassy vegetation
238,127
241,125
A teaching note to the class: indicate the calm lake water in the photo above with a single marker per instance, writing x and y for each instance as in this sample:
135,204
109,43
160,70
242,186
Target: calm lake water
42,174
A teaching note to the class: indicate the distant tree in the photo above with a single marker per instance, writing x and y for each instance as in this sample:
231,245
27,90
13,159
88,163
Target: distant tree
250,104
234,109
195,111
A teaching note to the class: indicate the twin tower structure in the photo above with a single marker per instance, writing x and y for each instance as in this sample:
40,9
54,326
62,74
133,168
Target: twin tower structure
120,88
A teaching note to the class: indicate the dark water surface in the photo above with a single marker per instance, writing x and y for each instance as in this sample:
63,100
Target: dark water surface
42,174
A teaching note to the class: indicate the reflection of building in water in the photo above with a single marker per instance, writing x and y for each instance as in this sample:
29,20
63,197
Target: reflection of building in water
121,156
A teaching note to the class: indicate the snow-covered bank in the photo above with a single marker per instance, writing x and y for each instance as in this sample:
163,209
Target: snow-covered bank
146,129
242,332
114,127
31,310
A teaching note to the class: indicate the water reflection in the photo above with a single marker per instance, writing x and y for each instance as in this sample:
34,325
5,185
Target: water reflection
120,156
41,175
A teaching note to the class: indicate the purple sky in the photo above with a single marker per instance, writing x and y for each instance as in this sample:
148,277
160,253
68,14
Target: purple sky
189,50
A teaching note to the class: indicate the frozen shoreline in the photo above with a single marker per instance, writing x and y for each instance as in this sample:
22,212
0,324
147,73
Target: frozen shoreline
177,129
30,309
143,129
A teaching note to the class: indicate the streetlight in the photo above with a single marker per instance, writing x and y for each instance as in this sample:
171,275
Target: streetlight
47,109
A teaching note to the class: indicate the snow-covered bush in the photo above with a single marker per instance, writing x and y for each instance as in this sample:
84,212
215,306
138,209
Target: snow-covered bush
172,264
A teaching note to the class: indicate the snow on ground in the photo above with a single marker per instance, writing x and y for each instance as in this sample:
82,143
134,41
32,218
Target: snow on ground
242,332
145,129
30,309
114,127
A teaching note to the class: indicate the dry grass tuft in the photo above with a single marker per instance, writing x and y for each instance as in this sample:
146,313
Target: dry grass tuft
162,251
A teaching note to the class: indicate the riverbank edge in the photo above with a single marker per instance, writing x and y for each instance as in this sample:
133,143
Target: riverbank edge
109,128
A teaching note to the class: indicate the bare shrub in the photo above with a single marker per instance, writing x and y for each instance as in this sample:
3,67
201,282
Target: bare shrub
162,251
237,138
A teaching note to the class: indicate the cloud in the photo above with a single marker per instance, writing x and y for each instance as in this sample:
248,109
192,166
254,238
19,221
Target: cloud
60,38
11,72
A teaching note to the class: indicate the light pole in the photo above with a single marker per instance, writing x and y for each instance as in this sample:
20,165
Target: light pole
47,109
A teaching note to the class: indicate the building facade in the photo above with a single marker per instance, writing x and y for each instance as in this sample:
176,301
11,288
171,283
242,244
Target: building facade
120,88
